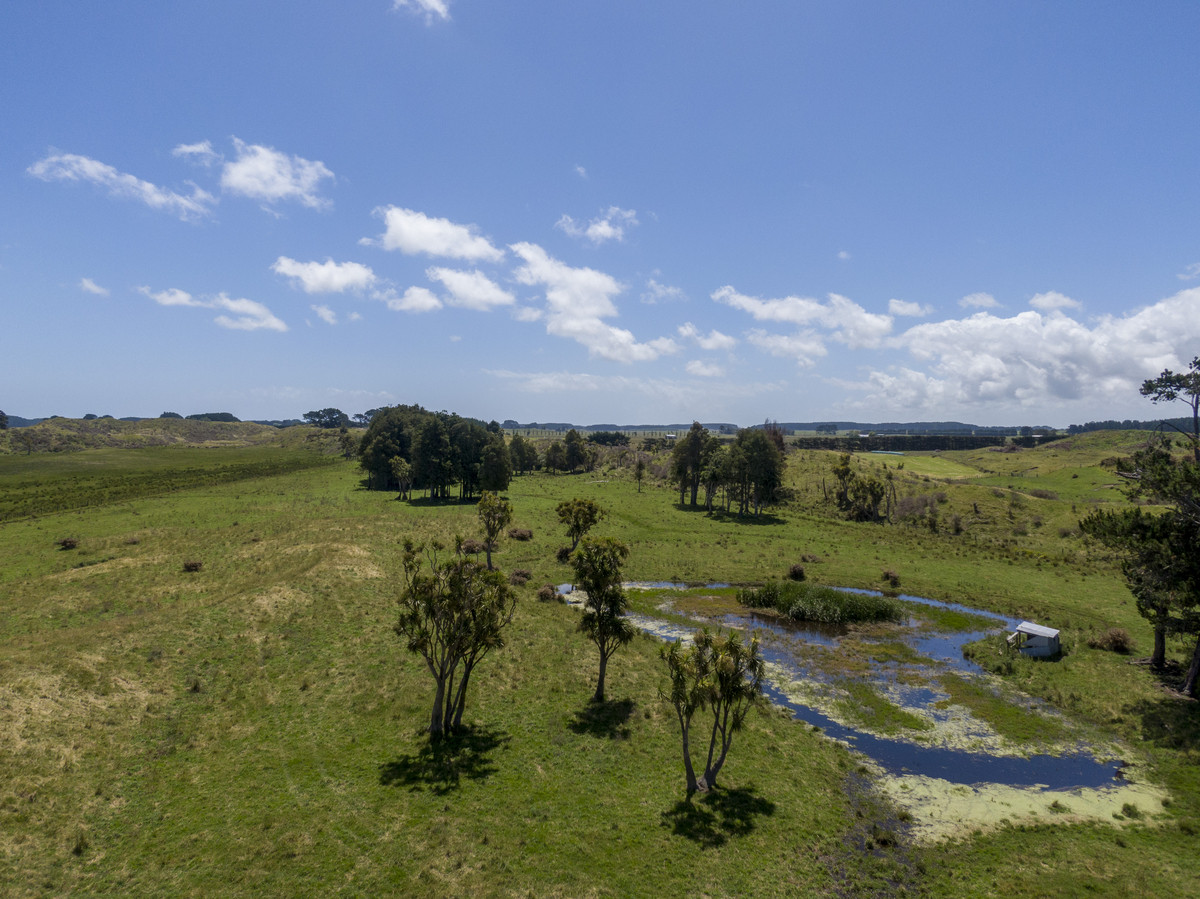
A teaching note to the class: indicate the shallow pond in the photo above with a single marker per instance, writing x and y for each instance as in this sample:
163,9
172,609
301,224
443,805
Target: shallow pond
797,681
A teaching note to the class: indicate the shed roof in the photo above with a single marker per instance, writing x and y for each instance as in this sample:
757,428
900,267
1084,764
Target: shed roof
1036,630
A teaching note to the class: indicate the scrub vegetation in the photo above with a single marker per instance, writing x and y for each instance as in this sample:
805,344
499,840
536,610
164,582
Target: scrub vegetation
254,727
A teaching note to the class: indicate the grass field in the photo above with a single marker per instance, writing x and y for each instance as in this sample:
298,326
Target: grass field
255,727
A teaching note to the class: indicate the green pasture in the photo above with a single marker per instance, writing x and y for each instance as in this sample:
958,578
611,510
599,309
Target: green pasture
255,727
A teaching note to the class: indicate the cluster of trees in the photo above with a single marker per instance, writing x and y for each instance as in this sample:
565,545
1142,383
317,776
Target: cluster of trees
439,450
3,421
863,497
453,612
748,471
1159,549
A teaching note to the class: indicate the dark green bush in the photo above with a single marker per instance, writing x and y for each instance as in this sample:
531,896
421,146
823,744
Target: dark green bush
804,601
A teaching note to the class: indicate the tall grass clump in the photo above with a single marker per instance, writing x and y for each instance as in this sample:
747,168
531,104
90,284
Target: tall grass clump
804,601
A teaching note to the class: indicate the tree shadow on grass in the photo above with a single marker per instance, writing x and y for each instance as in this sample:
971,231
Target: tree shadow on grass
733,517
1171,721
710,819
440,765
604,719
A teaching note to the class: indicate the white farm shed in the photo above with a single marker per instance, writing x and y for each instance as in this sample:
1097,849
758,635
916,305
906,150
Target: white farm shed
1035,640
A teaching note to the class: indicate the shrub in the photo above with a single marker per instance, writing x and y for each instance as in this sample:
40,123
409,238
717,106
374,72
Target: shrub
520,577
1043,494
473,546
805,601
796,572
547,593
520,533
564,554
1115,639
67,543
192,565
891,578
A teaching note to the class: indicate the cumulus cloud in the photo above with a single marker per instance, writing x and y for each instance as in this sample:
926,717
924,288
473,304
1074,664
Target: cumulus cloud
906,309
265,174
325,314
71,167
201,152
714,341
846,321
609,225
804,346
581,172
704,369
470,290
171,297
414,232
432,10
978,301
1052,300
660,293
246,315
324,277
415,299
843,255
1190,272
87,285
1037,358
577,301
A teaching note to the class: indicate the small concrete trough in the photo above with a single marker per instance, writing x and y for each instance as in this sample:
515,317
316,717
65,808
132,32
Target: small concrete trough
1035,640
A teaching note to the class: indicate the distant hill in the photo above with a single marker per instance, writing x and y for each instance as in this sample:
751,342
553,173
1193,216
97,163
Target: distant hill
70,434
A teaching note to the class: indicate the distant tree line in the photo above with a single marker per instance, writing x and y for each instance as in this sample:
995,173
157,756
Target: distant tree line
1132,424
897,443
439,451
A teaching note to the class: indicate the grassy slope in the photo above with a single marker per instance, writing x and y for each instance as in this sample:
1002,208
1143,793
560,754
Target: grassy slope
255,727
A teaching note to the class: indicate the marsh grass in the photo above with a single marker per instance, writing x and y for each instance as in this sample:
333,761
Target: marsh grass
805,601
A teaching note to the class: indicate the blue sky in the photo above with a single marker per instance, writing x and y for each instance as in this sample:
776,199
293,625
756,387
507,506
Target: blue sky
599,211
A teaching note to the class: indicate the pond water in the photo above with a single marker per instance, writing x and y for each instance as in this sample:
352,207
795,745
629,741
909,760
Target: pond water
898,756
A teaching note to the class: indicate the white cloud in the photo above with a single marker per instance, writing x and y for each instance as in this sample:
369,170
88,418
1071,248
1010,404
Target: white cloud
1035,359
1053,300
70,167
355,316
658,293
415,299
248,315
908,309
609,225
324,277
171,297
978,301
704,369
202,152
577,299
87,285
414,232
804,346
843,255
470,290
1189,272
263,173
714,341
326,314
581,172
527,314
846,321
430,9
